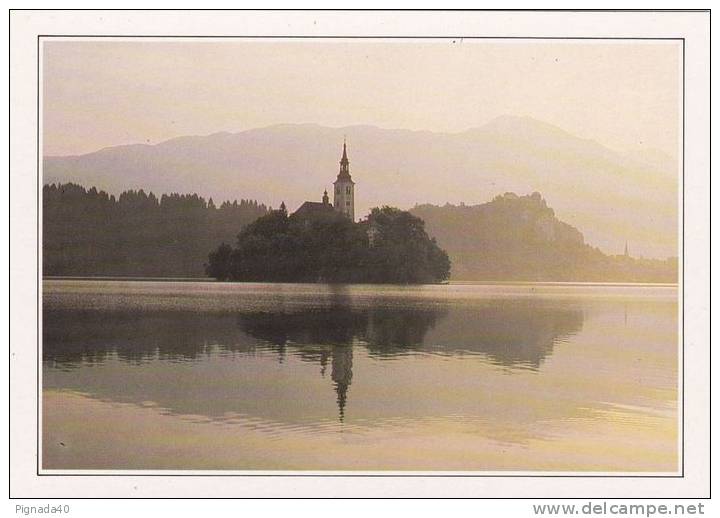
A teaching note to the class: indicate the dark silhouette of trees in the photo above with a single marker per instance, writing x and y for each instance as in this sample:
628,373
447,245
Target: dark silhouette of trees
402,251
329,247
88,232
219,262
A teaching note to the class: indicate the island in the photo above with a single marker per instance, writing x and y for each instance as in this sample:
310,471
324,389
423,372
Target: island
389,246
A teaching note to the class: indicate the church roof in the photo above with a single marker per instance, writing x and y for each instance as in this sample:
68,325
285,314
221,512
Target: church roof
313,208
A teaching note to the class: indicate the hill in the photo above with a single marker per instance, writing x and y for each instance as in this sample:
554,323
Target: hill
614,197
519,238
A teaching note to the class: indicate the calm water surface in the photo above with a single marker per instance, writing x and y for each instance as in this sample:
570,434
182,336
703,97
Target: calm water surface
202,375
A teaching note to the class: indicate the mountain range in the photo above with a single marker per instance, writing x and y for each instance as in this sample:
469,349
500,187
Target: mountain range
612,197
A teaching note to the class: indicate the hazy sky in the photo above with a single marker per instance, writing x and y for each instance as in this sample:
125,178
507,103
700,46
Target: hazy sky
99,94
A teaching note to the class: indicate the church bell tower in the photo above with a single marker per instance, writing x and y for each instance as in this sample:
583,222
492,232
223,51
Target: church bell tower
344,200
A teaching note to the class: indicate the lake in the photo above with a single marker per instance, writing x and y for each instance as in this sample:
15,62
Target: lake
462,377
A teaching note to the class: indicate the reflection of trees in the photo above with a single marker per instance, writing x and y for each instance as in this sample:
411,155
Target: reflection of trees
389,332
71,336
506,333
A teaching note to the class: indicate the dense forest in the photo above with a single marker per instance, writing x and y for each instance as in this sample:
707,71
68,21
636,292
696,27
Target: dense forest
518,238
389,246
89,232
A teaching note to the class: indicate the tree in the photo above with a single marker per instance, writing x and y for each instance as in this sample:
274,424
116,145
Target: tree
402,251
219,262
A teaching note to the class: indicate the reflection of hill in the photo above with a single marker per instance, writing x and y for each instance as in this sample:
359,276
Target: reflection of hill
517,333
511,334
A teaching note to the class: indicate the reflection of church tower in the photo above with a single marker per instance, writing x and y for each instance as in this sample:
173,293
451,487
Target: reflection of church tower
342,356
345,188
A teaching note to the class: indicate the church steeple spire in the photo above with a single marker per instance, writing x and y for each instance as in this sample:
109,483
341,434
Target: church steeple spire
345,187
344,160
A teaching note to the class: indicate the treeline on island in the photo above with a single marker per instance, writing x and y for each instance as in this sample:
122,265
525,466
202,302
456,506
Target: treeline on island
389,246
519,238
89,232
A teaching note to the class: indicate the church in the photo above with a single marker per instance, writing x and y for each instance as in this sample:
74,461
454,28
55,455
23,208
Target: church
343,197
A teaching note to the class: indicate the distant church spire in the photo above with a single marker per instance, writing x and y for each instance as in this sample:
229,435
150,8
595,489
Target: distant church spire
626,250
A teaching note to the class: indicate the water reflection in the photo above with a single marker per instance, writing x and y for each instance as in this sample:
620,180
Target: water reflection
214,376
508,334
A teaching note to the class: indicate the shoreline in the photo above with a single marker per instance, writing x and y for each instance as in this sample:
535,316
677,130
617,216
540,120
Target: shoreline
450,283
